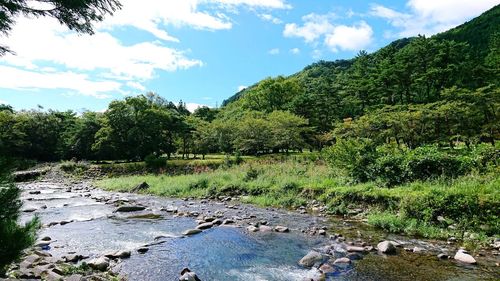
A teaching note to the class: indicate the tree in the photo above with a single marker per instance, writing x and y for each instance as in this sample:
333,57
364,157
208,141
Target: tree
13,237
76,15
287,130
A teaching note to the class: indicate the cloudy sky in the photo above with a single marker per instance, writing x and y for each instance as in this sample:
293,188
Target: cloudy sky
203,51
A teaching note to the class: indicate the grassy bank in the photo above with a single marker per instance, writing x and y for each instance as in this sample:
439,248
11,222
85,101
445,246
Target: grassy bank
466,208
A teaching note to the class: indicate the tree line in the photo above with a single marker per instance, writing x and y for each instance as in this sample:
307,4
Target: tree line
143,125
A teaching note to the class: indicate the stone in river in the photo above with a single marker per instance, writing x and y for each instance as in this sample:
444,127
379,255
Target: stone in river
252,228
355,249
464,257
326,268
206,225
142,250
129,208
188,275
280,228
101,263
386,247
191,231
265,228
342,260
310,259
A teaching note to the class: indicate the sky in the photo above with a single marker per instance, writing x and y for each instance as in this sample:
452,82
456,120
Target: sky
203,51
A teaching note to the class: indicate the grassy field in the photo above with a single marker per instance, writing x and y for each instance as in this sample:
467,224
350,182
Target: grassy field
466,208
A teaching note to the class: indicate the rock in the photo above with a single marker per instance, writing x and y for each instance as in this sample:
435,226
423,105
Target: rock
29,210
72,258
142,186
386,247
355,249
42,253
208,219
142,250
265,228
148,216
191,232
342,260
118,255
206,225
188,275
43,244
65,222
282,229
464,257
101,263
46,238
443,256
326,268
252,228
354,256
129,208
227,221
310,259
74,277
35,192
322,232
418,249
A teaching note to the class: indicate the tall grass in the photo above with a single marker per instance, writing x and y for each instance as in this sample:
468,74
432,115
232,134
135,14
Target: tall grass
426,208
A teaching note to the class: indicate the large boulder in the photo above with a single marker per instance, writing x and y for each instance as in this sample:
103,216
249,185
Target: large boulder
386,247
463,256
310,259
206,225
101,263
280,228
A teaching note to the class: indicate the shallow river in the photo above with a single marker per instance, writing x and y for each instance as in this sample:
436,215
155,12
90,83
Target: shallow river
225,252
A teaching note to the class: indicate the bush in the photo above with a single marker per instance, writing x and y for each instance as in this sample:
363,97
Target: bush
13,237
74,167
354,157
155,163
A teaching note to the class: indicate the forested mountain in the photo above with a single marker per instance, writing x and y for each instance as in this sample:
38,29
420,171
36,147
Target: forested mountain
407,72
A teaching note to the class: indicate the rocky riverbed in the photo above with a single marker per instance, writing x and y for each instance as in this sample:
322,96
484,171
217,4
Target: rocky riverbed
90,234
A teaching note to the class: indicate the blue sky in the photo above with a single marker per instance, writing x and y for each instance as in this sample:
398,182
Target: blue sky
203,51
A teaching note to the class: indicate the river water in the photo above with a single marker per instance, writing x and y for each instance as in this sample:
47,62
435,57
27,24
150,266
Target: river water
219,253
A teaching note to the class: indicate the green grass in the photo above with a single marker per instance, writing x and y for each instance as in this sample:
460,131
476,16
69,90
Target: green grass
467,204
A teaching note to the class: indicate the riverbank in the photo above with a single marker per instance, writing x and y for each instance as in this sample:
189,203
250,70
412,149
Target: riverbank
463,209
219,239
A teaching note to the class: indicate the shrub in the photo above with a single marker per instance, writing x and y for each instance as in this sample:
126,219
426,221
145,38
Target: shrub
154,162
13,237
353,156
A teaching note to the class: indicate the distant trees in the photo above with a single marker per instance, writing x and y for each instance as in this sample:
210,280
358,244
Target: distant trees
76,15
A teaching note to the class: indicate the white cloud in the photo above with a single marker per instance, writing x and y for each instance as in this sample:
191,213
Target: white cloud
153,15
274,51
314,27
18,79
272,4
241,88
295,51
430,16
351,38
84,52
191,106
270,18
136,85
343,37
3,102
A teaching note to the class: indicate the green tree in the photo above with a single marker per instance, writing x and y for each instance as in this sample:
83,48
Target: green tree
14,238
287,130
